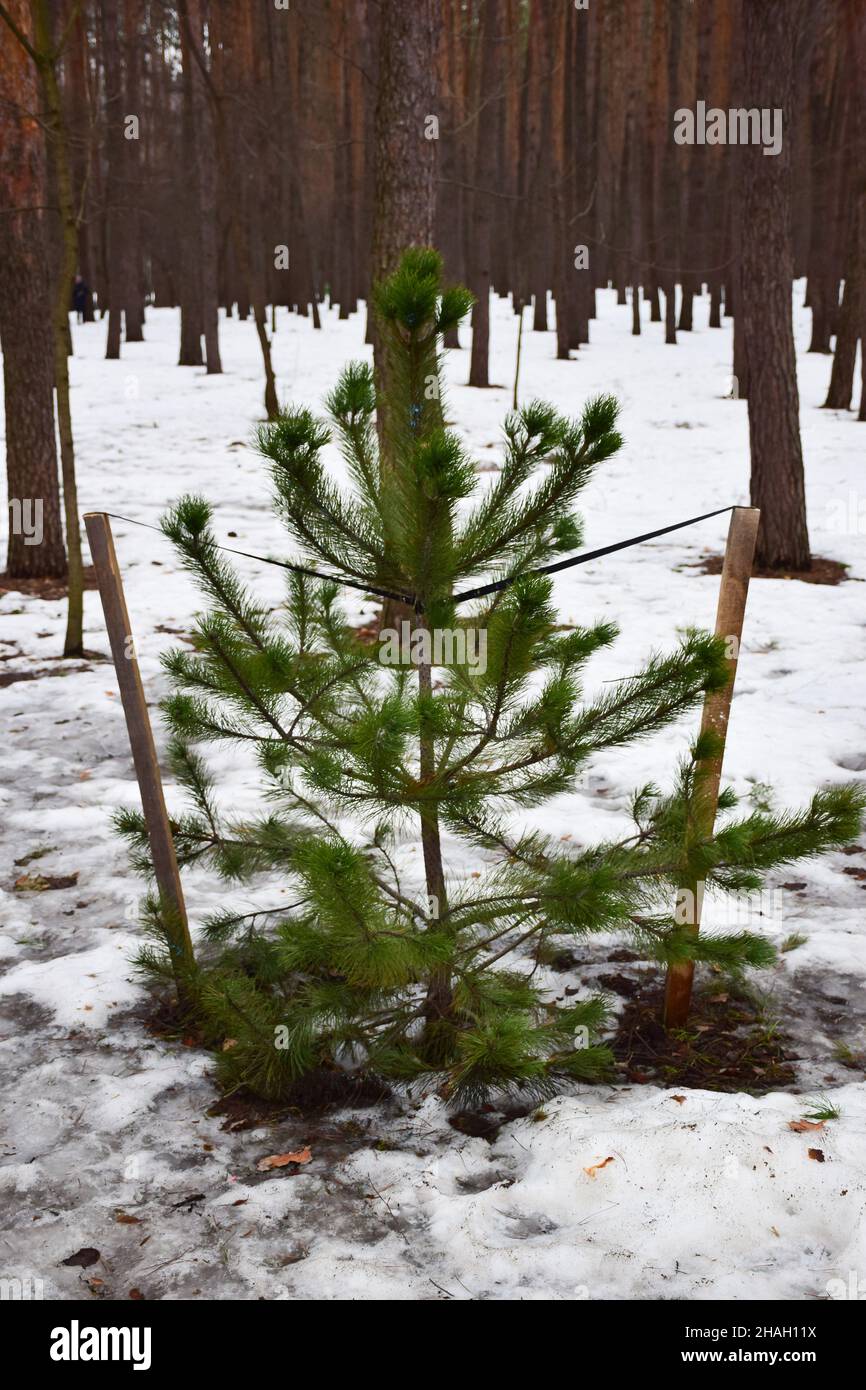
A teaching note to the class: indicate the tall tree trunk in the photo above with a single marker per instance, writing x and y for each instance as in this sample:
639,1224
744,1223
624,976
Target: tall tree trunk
191,318
404,197
764,293
207,203
36,547
479,249
47,60
850,322
116,256
404,193
133,303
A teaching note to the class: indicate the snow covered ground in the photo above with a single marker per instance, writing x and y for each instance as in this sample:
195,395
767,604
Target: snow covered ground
609,1192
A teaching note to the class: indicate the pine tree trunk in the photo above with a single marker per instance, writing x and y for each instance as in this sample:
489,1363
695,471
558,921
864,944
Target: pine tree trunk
404,204
25,322
440,998
191,318
59,155
133,304
479,249
405,167
116,252
852,309
764,295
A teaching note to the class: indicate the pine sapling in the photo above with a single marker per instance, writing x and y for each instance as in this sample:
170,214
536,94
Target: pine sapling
442,732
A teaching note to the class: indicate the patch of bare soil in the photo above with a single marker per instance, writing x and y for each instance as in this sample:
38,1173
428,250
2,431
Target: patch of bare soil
729,1045
822,571
65,667
43,588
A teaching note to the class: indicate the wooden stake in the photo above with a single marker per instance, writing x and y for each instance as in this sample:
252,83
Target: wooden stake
517,364
141,742
736,571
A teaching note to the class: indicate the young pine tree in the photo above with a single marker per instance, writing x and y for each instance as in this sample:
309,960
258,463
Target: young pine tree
358,745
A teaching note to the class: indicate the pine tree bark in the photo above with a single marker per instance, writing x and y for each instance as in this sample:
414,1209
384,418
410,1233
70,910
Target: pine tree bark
133,302
405,168
479,249
851,317
25,321
404,199
116,255
206,172
764,293
191,318
46,58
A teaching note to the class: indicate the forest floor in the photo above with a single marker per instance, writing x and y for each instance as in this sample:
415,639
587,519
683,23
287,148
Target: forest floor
122,1174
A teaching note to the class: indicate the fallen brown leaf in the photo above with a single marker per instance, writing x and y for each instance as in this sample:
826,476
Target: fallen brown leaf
124,1219
280,1160
817,1154
84,1258
594,1167
804,1126
41,883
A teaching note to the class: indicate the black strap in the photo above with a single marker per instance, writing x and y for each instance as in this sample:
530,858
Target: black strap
412,599
284,564
585,555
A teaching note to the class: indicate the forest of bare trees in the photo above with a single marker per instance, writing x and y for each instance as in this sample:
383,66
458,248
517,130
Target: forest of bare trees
227,158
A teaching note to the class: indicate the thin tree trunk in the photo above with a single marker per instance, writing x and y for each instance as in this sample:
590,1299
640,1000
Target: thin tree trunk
764,295
191,319
479,249
133,304
116,251
59,155
207,202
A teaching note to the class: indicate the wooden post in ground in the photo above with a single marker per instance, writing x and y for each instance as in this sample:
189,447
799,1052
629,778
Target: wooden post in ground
517,364
141,742
736,571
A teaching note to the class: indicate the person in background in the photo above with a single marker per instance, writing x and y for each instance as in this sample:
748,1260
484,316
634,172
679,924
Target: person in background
80,294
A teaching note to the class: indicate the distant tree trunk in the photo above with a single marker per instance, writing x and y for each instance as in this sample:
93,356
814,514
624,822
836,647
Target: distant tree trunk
850,324
191,318
479,248
207,203
47,59
764,293
561,184
850,312
116,256
233,32
25,323
133,304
